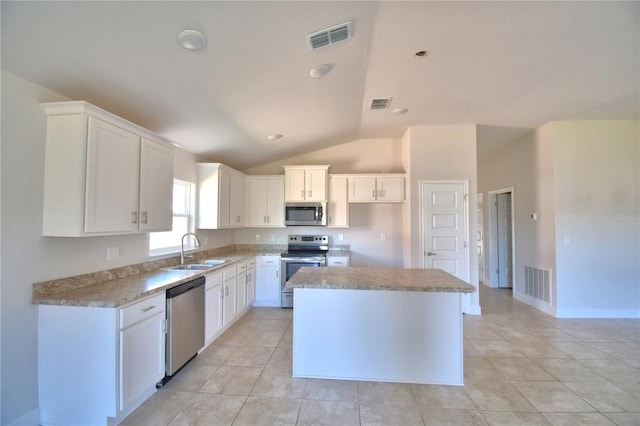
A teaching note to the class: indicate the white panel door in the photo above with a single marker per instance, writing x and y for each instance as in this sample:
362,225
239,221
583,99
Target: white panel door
445,228
503,237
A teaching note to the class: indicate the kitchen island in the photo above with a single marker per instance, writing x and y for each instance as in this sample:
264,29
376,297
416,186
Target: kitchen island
378,324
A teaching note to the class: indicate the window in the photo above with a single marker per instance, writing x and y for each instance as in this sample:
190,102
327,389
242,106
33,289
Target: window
183,221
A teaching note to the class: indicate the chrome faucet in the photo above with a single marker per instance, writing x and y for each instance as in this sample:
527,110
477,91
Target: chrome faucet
182,245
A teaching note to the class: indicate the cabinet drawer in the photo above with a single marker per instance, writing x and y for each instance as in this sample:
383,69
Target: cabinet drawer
213,280
142,310
228,273
268,261
337,261
242,267
251,263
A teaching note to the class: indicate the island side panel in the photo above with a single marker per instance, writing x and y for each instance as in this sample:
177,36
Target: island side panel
370,335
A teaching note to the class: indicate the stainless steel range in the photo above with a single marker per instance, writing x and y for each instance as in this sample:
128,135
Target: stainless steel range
303,250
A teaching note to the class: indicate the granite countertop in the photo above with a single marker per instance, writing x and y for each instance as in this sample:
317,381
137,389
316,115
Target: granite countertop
389,279
117,287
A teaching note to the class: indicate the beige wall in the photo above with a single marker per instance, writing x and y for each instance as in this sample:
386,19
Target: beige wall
360,156
27,256
525,165
582,179
597,204
442,153
368,222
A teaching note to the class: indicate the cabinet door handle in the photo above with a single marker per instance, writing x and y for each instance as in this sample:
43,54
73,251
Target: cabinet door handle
148,308
144,217
134,217
226,291
268,219
277,274
302,193
373,193
430,253
309,193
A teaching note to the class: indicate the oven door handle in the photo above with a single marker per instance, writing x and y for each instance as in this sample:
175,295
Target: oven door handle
303,259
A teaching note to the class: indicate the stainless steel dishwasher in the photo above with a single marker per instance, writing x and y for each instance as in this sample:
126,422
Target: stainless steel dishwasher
185,323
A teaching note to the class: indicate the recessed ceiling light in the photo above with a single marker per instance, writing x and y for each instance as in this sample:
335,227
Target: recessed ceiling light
320,71
399,111
192,39
422,53
274,137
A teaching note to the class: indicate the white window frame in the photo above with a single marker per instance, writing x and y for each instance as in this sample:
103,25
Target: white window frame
187,211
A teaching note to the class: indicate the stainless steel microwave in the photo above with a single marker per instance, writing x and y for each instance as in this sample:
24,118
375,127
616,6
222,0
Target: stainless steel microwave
305,214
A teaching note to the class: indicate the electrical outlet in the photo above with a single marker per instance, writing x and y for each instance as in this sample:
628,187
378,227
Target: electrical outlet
113,253
273,238
257,237
383,237
340,237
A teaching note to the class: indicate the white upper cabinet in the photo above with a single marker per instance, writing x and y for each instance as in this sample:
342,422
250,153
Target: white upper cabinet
338,205
156,186
265,201
103,174
112,178
305,183
221,196
384,188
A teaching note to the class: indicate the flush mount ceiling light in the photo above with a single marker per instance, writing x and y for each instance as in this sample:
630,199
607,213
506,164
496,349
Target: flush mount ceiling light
320,71
192,39
399,111
274,137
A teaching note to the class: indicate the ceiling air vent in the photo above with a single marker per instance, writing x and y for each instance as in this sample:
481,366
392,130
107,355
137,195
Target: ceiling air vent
329,36
380,103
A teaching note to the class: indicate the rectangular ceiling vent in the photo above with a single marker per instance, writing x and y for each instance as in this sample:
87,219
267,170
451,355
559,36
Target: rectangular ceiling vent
380,103
329,36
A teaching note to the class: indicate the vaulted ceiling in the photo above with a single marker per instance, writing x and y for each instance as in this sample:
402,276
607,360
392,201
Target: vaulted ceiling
507,66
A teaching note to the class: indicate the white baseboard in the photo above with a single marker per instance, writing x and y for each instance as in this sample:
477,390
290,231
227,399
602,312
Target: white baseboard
598,313
535,303
474,310
32,418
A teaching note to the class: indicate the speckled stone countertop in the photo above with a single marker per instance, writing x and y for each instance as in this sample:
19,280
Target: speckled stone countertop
389,279
116,287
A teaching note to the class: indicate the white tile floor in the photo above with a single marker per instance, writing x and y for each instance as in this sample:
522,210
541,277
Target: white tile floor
522,367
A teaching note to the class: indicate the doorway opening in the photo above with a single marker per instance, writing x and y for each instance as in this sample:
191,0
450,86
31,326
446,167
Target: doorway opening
502,241
480,235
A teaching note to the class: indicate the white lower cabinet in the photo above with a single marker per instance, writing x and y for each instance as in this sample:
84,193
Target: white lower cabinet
229,288
213,306
96,365
241,287
251,281
337,260
267,281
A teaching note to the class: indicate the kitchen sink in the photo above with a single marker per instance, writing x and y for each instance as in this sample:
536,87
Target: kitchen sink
193,267
214,262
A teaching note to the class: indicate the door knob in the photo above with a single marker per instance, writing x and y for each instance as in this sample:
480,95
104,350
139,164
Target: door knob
430,253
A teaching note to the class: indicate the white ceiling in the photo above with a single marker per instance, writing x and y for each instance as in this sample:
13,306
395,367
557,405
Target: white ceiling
508,66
